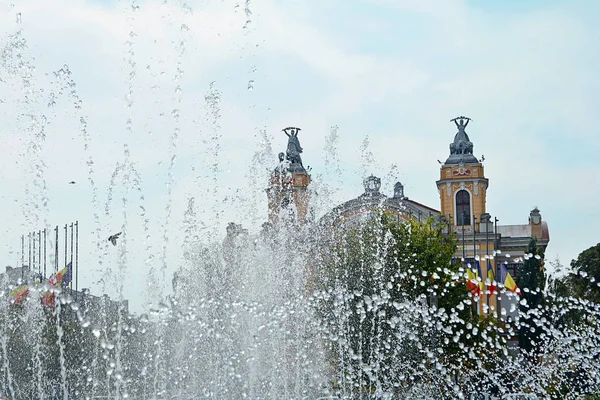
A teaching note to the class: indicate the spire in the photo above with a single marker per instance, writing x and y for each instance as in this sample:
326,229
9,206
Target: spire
461,149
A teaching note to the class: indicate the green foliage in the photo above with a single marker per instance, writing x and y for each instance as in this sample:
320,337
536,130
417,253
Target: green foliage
384,274
583,282
531,280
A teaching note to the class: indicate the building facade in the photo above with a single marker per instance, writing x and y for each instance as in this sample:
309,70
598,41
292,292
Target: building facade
462,210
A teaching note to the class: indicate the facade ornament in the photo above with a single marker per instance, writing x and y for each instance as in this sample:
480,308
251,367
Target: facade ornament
372,185
398,190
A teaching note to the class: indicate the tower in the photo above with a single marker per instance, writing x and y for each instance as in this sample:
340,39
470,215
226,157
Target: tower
289,181
462,185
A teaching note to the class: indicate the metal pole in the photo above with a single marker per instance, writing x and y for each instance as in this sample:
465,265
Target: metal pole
56,249
487,260
45,255
40,252
76,257
66,244
462,223
71,283
474,232
29,249
498,295
32,266
22,256
496,239
477,263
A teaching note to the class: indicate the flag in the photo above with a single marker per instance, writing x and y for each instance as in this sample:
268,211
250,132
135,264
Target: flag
508,281
491,282
471,280
18,294
474,284
62,277
481,285
68,276
48,298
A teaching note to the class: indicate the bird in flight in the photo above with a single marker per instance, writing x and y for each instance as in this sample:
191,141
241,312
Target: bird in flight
72,183
113,238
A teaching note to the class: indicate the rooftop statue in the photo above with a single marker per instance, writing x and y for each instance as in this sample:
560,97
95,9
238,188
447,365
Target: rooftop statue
461,149
294,149
461,144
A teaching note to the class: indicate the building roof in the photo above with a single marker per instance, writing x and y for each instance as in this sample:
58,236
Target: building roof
515,230
372,199
523,230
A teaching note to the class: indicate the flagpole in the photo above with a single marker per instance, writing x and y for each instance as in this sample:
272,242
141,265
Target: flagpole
475,262
487,256
22,256
40,252
32,266
71,283
45,256
29,249
463,236
498,294
56,249
66,244
76,257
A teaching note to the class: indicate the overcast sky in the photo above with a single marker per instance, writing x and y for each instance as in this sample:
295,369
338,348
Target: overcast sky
198,92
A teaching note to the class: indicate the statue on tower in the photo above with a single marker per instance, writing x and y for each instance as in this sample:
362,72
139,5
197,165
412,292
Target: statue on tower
293,149
461,144
461,125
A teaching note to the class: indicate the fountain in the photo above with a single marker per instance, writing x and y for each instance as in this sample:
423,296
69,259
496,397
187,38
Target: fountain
297,307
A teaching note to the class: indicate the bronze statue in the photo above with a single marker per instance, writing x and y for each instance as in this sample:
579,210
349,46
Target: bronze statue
461,144
293,149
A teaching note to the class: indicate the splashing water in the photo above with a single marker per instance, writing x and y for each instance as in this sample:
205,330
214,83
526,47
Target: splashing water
292,311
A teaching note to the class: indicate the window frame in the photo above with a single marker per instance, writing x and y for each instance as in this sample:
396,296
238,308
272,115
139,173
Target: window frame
458,216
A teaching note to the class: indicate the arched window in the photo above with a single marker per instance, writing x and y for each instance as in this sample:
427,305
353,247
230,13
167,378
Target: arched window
463,208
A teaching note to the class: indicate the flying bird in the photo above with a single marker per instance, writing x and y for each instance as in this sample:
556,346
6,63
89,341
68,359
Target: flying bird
72,183
113,238
439,161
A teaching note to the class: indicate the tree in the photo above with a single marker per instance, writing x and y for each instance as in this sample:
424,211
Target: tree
583,282
379,283
531,280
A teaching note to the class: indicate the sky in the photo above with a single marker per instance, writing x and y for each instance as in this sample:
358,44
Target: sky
149,104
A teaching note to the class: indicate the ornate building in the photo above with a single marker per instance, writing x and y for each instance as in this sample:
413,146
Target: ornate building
462,187
372,200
